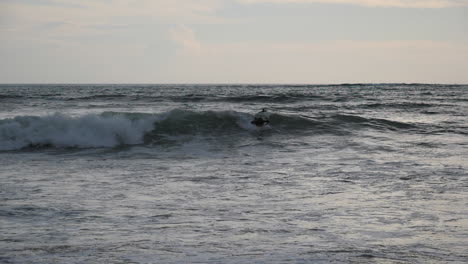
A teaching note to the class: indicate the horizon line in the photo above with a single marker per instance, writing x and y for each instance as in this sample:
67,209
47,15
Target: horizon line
230,83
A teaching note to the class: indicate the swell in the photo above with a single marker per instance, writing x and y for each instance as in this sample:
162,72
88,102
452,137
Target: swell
271,98
111,129
275,98
376,123
98,97
10,96
404,105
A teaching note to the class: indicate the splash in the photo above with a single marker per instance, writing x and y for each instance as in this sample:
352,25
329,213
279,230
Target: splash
64,131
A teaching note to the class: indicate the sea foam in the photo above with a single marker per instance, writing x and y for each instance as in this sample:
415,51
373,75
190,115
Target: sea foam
59,130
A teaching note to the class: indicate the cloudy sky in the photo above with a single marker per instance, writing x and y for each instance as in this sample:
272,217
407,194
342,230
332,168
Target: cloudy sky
233,41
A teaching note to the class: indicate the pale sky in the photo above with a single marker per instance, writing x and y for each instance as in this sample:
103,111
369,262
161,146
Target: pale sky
233,41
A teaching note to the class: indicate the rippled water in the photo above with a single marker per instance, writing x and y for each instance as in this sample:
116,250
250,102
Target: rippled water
177,174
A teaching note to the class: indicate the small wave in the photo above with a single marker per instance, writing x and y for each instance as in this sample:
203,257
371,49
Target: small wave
10,96
178,122
376,123
99,96
398,105
270,98
184,98
275,98
111,129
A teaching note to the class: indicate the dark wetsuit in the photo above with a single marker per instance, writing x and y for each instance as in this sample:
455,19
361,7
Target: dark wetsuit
259,122
261,119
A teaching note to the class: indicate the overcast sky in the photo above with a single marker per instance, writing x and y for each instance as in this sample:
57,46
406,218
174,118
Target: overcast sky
233,41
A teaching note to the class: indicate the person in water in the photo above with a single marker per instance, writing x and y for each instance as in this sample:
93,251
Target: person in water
261,118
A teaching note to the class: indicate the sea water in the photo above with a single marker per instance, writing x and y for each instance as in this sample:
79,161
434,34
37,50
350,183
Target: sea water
371,173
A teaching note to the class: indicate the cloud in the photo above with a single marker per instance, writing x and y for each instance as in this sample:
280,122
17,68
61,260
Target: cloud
91,20
373,3
175,41
324,62
185,38
104,9
27,14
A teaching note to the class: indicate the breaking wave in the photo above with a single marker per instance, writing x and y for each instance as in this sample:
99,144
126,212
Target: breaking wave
111,129
61,131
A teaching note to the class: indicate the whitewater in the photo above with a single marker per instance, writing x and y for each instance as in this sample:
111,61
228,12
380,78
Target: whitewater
350,173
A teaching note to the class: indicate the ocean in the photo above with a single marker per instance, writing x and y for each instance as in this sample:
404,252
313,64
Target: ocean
350,173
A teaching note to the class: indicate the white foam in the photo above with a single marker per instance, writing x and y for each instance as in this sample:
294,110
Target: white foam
64,131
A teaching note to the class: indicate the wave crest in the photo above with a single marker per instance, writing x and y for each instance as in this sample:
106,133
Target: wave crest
64,131
110,129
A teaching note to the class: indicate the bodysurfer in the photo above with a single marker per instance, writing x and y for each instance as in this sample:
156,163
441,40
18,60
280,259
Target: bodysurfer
261,118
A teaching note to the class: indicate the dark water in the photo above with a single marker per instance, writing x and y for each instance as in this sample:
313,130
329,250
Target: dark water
177,174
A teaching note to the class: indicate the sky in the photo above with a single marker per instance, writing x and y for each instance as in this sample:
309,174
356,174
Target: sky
234,41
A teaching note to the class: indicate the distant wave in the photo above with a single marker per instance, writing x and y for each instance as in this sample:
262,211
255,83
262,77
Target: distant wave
273,98
10,96
401,105
111,129
367,96
99,96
